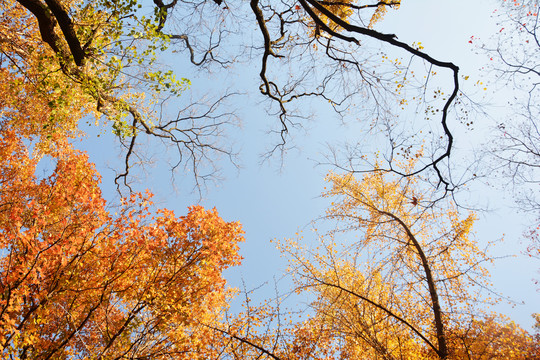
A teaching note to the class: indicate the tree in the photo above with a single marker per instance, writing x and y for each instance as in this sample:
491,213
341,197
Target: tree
79,281
332,46
335,55
513,59
415,287
36,101
408,285
515,149
101,57
80,278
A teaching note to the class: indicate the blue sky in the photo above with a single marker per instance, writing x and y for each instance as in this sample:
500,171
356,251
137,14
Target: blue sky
275,199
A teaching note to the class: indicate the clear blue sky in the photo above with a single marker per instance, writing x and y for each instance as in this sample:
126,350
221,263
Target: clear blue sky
274,201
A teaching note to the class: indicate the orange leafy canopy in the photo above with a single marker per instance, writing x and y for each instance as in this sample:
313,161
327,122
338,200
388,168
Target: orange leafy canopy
78,281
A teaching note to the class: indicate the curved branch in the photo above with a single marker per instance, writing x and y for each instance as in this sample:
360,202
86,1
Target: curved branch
383,308
265,88
245,341
437,313
127,165
392,40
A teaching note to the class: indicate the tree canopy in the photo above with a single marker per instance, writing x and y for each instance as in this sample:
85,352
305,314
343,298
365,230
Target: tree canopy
399,275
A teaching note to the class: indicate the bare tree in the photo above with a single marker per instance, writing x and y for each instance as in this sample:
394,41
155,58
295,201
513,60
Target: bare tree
514,60
304,50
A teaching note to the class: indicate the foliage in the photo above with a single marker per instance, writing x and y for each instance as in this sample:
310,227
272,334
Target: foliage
408,287
405,284
100,59
344,10
36,99
396,290
108,56
495,338
381,10
80,278
77,280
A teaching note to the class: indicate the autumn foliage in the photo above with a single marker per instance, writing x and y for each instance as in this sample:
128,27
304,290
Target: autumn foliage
344,9
81,278
405,281
78,280
400,276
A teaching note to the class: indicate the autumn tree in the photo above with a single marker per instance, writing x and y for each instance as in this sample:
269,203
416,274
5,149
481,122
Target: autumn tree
77,280
409,278
80,277
399,277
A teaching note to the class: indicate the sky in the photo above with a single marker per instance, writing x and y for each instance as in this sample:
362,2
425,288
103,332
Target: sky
275,199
